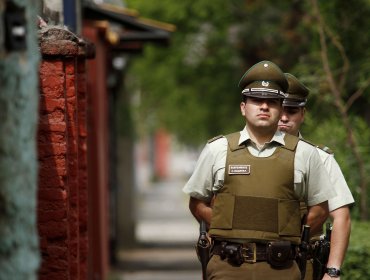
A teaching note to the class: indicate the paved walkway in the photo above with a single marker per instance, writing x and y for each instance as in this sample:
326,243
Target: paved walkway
166,232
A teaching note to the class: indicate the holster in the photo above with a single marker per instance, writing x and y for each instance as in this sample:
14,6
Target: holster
279,253
232,252
203,248
320,258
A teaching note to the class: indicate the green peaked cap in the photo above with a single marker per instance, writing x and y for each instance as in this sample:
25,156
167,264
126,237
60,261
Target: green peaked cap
264,80
297,92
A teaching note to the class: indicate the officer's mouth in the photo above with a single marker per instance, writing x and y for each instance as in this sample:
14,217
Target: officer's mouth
283,127
263,116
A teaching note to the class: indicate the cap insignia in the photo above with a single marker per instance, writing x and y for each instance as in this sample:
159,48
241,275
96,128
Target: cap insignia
265,84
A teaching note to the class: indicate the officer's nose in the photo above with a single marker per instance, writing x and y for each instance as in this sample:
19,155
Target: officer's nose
284,117
264,104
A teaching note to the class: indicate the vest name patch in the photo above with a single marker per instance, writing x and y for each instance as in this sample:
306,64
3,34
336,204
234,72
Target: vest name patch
239,169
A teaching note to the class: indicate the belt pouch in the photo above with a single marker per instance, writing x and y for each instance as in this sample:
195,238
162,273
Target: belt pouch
279,253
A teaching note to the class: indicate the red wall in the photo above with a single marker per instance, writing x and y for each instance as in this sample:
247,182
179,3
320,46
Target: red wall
98,155
62,194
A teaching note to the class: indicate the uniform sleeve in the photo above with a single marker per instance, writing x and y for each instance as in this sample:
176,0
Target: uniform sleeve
316,181
200,183
344,195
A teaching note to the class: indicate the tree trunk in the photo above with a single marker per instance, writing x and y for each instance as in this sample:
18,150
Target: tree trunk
19,56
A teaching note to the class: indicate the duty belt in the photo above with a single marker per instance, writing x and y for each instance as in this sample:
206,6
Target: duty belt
253,252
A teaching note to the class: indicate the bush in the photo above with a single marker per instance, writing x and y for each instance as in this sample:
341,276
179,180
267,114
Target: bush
357,262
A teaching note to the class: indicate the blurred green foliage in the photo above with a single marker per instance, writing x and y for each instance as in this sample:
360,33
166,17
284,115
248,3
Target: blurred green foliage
330,133
357,262
190,87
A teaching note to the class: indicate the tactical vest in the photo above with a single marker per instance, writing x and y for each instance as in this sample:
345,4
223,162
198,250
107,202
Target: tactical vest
257,200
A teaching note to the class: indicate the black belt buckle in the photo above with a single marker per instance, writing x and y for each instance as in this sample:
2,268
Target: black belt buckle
249,252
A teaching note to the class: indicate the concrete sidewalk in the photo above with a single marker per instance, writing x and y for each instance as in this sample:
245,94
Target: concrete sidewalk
166,233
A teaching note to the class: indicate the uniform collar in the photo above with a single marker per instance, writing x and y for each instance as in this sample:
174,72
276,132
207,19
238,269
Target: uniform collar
277,138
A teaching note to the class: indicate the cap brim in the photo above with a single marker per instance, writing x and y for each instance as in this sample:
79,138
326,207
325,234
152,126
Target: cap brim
294,103
263,93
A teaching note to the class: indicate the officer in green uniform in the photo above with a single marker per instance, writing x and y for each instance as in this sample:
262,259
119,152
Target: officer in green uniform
247,186
294,109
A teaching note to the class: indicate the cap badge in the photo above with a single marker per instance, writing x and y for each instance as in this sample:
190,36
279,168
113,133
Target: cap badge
265,65
239,169
265,84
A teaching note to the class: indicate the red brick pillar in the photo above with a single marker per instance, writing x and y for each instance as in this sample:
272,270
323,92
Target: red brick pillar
62,208
162,148
82,166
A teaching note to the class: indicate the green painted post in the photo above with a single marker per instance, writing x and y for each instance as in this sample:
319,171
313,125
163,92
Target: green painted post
19,58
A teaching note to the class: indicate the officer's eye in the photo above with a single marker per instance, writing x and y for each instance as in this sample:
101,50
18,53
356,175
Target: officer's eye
273,101
291,110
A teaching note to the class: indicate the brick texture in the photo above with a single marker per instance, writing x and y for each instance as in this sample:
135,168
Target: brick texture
62,148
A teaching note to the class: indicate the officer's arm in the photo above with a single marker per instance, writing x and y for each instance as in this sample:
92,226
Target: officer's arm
200,209
316,216
339,236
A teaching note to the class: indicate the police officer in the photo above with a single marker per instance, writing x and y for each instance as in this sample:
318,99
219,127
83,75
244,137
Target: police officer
294,108
247,186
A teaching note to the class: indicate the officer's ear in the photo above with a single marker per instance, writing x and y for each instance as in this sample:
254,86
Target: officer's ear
242,108
303,113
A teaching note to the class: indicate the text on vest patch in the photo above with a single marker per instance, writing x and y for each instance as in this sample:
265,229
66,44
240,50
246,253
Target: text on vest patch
239,169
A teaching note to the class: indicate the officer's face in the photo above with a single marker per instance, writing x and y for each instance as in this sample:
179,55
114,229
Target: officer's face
260,112
291,119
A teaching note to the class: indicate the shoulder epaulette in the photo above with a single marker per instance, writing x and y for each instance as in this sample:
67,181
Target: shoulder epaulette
325,149
321,147
214,138
308,142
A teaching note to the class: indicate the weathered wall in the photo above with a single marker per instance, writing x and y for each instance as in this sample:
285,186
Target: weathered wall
19,256
62,210
98,156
